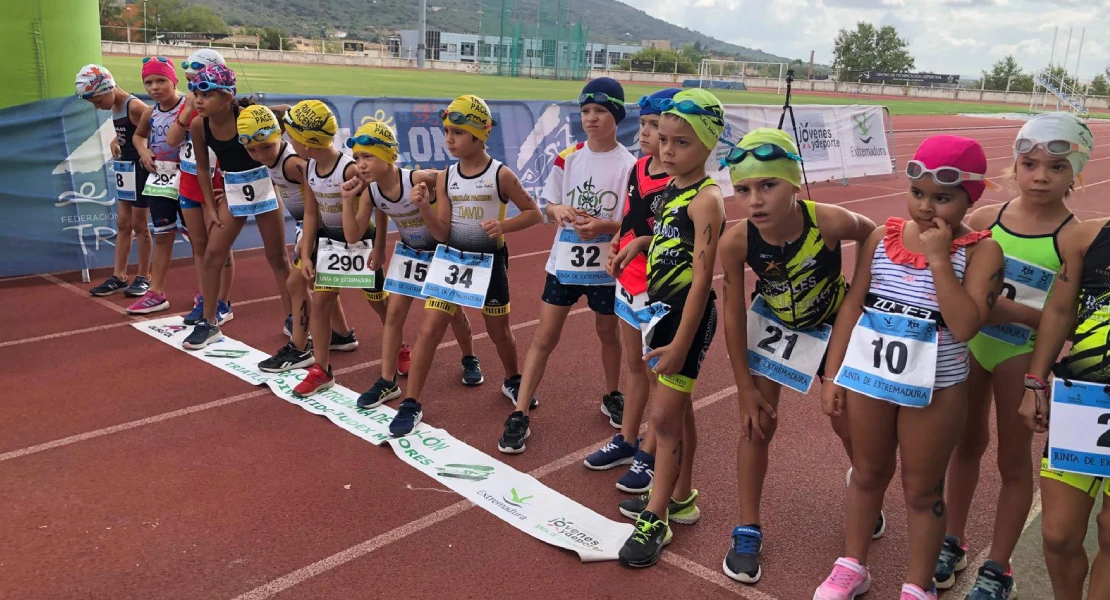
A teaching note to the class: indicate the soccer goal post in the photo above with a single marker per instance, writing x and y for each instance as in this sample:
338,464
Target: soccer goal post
716,73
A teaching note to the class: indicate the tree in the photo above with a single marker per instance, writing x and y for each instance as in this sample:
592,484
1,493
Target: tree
1100,85
870,49
1001,75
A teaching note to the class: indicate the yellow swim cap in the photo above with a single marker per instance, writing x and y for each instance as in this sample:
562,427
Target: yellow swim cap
708,127
311,123
257,125
380,141
750,167
469,113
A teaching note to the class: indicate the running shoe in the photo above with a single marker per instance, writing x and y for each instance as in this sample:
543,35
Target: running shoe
848,580
204,333
288,329
151,302
381,392
645,545
112,285
615,453
640,476
952,560
343,343
516,431
197,313
317,380
287,359
511,388
880,524
223,312
683,513
407,418
912,592
993,583
404,360
139,286
472,371
742,561
612,406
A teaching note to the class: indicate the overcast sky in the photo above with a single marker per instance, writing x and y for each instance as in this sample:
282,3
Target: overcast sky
945,36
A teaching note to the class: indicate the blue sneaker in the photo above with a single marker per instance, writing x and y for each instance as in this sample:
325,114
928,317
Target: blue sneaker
203,334
223,312
993,583
197,313
742,561
615,453
952,560
640,476
407,418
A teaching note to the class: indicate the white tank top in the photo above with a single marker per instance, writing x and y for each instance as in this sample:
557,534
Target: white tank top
328,192
473,200
290,192
405,215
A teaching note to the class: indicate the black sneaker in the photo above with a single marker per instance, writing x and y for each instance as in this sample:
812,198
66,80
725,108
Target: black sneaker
139,286
645,545
112,285
612,406
683,513
992,583
516,431
287,359
382,391
952,560
472,371
288,327
742,561
203,334
407,418
511,388
880,526
343,343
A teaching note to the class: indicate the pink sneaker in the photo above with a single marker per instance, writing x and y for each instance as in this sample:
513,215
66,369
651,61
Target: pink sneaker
912,592
848,580
149,303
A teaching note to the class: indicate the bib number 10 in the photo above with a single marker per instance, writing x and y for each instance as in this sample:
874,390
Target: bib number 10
896,356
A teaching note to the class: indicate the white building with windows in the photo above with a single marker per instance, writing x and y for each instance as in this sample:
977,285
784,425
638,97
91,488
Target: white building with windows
476,48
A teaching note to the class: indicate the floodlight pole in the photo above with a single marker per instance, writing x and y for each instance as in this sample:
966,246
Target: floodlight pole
422,45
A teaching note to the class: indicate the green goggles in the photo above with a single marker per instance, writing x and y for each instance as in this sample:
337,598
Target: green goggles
762,152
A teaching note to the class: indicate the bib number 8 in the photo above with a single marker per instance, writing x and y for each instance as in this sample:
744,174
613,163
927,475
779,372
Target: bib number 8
461,275
586,256
769,343
897,354
119,180
344,262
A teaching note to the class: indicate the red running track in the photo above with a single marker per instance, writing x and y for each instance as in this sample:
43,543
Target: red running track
133,471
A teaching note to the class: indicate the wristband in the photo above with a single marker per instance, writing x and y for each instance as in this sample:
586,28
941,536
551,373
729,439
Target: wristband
1032,382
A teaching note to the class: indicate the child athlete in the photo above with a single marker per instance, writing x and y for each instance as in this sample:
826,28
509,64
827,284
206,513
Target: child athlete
584,195
96,85
375,150
794,249
191,199
161,160
1029,229
472,196
312,126
682,250
214,98
900,345
260,133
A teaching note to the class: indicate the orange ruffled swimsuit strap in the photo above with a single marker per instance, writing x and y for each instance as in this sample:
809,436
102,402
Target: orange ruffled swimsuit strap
898,254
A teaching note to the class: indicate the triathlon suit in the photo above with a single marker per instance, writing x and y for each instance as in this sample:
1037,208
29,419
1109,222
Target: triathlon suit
645,193
125,131
327,188
191,196
1037,250
290,194
903,277
404,213
475,199
164,211
670,273
1089,357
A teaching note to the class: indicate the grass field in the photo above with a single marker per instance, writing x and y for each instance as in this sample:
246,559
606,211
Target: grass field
357,81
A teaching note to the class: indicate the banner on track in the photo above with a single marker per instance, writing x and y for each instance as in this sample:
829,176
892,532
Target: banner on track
514,497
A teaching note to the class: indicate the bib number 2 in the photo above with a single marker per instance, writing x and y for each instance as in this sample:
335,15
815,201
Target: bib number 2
1079,431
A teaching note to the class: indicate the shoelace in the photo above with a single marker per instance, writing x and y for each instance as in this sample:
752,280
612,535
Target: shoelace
644,528
745,543
987,582
842,577
516,425
948,556
637,467
609,447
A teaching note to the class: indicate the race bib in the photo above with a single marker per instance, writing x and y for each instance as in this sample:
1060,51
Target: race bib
459,277
581,262
891,357
343,265
788,356
630,308
652,315
124,172
1079,428
249,192
408,269
163,181
1026,284
189,160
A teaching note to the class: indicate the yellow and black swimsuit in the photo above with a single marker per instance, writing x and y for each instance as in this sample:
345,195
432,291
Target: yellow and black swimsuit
801,281
671,255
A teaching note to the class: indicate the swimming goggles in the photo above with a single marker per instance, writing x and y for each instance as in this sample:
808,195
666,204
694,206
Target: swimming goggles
208,86
686,107
161,59
289,121
762,152
458,118
368,140
259,135
1053,147
193,66
599,97
947,176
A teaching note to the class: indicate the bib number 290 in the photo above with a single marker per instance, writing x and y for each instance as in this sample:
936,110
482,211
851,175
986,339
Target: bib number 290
346,262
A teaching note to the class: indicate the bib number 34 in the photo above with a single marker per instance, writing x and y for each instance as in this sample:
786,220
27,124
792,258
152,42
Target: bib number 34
459,277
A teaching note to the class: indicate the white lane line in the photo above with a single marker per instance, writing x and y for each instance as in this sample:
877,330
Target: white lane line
84,294
967,581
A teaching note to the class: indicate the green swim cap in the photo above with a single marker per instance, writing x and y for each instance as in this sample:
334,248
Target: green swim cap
708,127
787,169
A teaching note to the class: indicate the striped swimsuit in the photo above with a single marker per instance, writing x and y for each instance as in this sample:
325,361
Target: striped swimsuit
906,283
